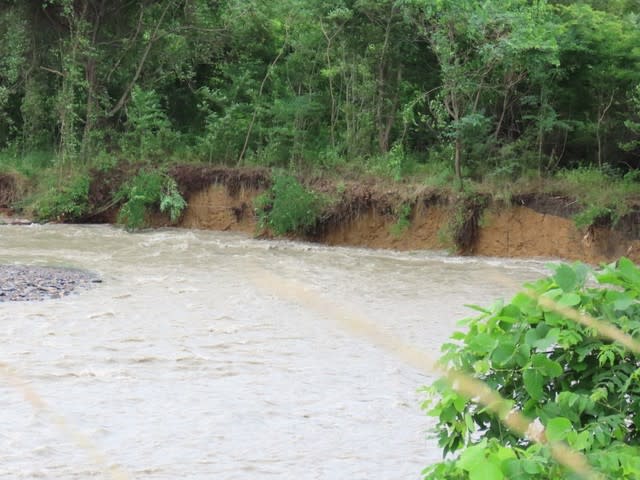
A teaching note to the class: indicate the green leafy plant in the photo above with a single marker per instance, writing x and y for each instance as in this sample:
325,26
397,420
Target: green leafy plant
461,230
391,164
67,202
583,388
146,190
404,220
592,215
148,127
288,207
603,193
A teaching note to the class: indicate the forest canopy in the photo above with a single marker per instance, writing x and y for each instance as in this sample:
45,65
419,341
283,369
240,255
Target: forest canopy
478,88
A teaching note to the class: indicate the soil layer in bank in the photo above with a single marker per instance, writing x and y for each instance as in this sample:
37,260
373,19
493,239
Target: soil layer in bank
366,215
374,214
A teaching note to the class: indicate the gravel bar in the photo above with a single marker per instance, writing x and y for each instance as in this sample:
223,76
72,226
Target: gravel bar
21,283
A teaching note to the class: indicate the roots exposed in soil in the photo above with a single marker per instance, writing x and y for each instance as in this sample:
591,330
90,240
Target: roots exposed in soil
466,223
194,178
548,204
9,190
348,201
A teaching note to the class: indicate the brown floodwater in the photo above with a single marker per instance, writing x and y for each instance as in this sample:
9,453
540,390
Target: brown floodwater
193,358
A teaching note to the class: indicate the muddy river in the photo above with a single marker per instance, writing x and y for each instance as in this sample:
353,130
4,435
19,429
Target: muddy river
193,358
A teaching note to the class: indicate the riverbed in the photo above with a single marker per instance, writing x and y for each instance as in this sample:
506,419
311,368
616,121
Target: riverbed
195,359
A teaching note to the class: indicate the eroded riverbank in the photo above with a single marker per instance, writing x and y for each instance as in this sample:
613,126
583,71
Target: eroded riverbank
368,213
531,227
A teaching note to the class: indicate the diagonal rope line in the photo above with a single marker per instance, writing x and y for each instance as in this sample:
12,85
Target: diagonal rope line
31,396
464,384
604,328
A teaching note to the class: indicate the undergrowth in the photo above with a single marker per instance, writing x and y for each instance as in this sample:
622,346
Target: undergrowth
149,189
31,165
604,194
403,222
460,232
288,207
66,202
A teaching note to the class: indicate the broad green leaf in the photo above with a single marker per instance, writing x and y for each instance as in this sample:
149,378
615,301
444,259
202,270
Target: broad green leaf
629,270
554,319
483,343
623,303
512,468
478,308
468,420
599,394
533,383
472,456
459,402
481,366
503,353
553,293
531,337
558,429
531,467
505,453
510,311
525,304
522,355
550,339
546,366
569,300
582,441
566,278
458,336
485,470
582,272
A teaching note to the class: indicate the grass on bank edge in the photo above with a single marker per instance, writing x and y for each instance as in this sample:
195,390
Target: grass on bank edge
601,193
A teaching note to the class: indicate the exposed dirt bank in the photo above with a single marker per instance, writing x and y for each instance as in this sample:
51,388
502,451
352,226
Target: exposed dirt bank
523,232
513,231
215,209
401,217
366,215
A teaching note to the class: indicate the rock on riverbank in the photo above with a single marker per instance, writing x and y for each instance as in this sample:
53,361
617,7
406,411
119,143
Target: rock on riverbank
25,283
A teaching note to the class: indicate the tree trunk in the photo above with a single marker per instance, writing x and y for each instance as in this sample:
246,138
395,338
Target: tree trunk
255,110
457,161
383,134
334,109
70,67
90,77
154,36
601,117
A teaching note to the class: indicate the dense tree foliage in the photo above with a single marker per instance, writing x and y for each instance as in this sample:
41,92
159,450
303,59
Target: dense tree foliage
486,87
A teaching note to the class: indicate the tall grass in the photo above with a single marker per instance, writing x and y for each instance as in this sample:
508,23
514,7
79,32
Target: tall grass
30,164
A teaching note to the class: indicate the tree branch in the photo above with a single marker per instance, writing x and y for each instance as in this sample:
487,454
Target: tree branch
255,111
120,103
51,70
